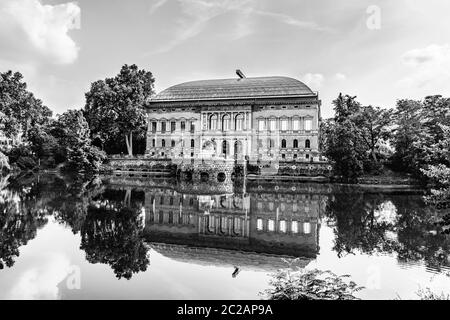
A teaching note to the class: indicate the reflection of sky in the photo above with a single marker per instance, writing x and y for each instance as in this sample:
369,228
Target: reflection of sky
42,269
381,275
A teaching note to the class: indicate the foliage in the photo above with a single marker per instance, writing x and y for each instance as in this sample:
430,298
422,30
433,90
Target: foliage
74,136
420,136
427,294
19,109
115,107
113,234
352,138
310,285
4,162
22,156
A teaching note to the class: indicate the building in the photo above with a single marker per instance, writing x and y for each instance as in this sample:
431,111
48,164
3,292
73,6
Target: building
259,119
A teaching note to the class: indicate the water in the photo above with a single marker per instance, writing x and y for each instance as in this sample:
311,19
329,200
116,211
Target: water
115,238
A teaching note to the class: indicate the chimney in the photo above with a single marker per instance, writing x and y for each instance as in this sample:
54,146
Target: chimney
240,74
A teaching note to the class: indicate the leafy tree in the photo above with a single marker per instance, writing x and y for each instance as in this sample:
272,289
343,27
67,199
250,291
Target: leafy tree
115,107
373,126
20,110
74,135
342,143
300,284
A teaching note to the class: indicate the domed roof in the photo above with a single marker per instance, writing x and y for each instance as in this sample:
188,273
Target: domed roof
238,88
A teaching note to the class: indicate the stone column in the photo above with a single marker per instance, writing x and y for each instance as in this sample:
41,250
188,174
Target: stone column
218,147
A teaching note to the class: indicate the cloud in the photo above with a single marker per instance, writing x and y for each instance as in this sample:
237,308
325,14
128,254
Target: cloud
196,14
340,77
33,32
313,80
41,282
427,68
156,5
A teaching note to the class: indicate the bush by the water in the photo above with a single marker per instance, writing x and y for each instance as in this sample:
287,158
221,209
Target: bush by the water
314,284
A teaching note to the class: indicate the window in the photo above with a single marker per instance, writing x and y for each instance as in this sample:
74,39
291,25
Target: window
224,147
295,156
239,122
163,143
192,127
283,143
271,225
294,227
307,144
213,122
173,143
163,126
270,143
173,126
273,124
295,143
259,224
308,124
307,156
192,143
153,143
154,124
261,125
296,124
283,226
284,125
306,228
226,122
283,156
183,125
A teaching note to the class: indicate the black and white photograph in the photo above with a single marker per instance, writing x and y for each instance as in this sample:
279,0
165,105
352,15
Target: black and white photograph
225,150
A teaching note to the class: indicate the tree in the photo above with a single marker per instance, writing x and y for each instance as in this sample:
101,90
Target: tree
115,107
20,110
373,126
74,135
341,141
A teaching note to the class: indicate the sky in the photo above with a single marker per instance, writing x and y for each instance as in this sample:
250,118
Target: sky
379,51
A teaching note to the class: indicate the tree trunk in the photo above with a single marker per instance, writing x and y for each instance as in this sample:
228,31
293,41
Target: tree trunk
129,142
374,156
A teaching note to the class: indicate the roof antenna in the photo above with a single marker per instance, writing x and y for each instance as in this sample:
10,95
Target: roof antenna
240,74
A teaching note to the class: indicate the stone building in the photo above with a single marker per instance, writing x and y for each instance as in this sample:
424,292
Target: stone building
259,119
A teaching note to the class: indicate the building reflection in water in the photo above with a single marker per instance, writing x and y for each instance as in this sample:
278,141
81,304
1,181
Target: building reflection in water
256,227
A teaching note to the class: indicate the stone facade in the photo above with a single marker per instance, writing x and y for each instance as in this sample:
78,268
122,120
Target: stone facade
258,119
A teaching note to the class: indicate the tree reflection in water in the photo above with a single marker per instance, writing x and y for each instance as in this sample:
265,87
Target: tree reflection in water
110,222
388,223
112,233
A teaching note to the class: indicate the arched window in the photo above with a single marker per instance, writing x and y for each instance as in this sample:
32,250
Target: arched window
224,147
239,122
192,143
295,144
226,122
283,143
213,122
307,144
163,143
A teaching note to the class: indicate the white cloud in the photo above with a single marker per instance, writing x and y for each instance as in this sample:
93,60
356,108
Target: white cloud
42,282
196,14
340,77
427,69
313,80
32,31
156,5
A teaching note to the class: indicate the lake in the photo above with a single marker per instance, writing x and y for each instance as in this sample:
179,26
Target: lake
125,238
